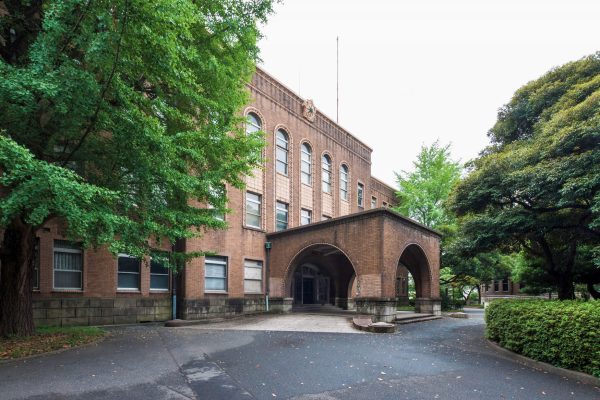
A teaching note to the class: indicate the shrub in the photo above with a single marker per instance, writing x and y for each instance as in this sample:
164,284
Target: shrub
562,333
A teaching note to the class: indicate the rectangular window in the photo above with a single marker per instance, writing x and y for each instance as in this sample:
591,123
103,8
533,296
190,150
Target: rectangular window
505,285
217,191
281,162
282,216
68,265
496,286
159,272
253,210
129,272
215,274
252,276
305,217
36,265
305,165
385,204
344,182
361,195
373,202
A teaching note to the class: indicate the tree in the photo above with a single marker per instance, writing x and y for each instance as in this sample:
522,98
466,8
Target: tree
118,118
536,187
423,191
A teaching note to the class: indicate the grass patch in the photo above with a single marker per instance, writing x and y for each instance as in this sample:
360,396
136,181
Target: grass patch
48,339
405,308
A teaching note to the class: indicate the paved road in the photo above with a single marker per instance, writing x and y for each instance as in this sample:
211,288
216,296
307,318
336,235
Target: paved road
442,359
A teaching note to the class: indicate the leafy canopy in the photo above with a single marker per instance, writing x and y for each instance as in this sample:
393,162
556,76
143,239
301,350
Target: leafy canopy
423,191
121,117
537,186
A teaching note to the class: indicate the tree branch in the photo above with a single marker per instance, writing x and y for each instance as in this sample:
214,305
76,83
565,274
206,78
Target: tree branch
94,118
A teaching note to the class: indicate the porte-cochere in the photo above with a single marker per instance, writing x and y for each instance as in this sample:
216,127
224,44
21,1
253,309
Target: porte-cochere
356,261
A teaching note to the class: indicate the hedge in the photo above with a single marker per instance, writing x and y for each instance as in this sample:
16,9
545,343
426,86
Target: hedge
562,333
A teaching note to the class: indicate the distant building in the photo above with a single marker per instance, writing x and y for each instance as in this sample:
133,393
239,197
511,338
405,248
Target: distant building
504,289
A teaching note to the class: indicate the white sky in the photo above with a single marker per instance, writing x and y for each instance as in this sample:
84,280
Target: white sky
413,71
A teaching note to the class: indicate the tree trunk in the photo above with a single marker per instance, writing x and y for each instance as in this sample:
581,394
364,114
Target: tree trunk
16,279
593,292
565,288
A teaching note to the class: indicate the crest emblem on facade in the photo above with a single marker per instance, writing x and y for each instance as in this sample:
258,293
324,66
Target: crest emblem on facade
309,111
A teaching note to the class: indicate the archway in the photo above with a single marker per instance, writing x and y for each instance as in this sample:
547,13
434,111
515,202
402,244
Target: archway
320,274
413,265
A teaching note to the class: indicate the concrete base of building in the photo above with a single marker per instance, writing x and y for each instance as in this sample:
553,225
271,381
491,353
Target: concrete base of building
344,303
351,304
220,307
428,306
381,308
99,311
280,304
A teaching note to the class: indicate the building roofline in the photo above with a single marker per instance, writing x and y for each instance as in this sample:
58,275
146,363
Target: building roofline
384,183
386,212
292,92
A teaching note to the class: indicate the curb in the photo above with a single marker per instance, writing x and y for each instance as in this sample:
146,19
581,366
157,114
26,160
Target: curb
542,366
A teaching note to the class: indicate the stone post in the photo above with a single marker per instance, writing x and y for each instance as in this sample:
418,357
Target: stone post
428,306
382,309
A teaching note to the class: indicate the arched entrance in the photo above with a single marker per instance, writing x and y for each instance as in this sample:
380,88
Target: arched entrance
352,261
320,274
413,263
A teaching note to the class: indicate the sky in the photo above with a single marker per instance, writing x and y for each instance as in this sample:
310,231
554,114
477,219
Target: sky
415,71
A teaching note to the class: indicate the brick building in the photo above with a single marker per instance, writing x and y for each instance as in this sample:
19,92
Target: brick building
311,227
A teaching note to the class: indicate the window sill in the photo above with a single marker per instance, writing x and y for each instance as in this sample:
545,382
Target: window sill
159,291
67,290
284,175
129,291
307,185
253,228
216,292
253,294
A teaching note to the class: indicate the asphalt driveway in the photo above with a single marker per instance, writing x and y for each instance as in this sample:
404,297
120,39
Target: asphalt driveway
442,359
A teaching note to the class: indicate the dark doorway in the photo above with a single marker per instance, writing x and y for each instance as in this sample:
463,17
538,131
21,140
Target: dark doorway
308,290
311,285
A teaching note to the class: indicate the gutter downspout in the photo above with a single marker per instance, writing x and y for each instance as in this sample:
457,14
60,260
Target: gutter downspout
267,274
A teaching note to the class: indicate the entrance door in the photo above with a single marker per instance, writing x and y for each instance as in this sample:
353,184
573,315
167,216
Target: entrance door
323,290
308,290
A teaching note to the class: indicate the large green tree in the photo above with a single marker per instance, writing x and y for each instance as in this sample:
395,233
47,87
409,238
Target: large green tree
117,118
536,187
423,191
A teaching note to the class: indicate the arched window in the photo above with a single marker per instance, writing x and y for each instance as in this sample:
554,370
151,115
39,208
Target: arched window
344,182
282,152
306,164
253,123
326,162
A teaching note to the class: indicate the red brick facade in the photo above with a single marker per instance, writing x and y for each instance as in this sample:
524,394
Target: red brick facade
374,242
